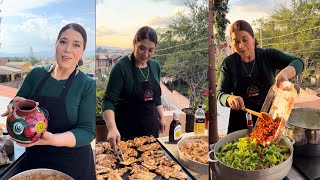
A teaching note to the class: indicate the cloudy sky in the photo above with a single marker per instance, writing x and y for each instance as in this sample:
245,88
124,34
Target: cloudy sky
37,23
118,20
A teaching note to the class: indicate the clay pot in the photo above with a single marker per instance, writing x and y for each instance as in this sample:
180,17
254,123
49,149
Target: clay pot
27,122
101,129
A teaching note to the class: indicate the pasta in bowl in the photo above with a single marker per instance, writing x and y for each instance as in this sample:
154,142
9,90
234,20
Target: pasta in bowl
193,153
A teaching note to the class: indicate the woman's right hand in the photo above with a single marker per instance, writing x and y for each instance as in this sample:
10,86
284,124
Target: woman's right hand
113,138
15,100
235,102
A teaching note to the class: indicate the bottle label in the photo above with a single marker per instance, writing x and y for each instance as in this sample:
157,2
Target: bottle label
177,133
199,126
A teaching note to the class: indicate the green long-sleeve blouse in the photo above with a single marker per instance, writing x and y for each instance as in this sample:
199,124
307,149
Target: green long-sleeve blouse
80,100
121,83
271,60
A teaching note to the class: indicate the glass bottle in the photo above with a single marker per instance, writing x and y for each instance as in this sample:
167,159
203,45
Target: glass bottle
175,129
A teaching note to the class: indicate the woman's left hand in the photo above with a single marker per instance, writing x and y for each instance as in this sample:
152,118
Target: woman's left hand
47,138
285,74
281,76
162,125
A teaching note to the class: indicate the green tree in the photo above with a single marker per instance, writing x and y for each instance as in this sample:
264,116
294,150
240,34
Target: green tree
189,60
34,61
102,77
295,30
183,47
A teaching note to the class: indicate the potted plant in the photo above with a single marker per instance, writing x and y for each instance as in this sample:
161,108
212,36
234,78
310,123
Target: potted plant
194,103
101,128
101,84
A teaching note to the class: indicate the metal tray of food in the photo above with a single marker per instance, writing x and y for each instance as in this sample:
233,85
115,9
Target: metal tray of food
41,173
159,161
199,164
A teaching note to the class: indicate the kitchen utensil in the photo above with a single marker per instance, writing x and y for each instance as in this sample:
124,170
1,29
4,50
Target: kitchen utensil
277,172
262,115
120,153
304,127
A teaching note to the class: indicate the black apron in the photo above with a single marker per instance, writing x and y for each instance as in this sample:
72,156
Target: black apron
253,91
76,162
138,116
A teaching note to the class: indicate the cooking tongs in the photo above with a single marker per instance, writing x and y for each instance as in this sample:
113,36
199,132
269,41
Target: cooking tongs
118,153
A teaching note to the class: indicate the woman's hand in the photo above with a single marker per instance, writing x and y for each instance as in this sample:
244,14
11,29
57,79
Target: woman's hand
235,102
15,100
113,138
285,74
281,76
47,138
162,125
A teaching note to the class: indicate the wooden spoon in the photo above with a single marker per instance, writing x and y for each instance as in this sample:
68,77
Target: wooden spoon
263,115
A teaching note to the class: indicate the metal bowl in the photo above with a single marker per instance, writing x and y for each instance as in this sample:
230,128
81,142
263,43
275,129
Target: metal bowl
41,171
304,127
189,163
277,172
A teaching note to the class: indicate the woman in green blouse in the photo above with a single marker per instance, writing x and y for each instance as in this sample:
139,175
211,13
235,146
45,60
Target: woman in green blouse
248,73
132,102
69,96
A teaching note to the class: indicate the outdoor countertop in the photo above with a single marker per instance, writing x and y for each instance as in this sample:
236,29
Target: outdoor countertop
17,159
173,149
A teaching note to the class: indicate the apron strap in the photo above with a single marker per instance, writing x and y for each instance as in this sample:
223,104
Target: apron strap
44,80
68,84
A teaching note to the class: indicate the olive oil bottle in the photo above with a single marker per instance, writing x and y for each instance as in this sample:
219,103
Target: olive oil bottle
199,121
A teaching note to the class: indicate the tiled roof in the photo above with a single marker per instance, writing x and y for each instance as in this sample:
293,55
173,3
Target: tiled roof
9,70
4,101
6,94
7,91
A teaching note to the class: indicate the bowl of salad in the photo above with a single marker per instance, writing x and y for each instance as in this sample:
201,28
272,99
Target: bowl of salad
236,156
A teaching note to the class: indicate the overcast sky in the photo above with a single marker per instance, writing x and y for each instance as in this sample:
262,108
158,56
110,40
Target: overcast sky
113,22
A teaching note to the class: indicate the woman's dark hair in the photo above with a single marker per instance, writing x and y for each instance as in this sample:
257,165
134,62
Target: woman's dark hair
146,32
77,28
242,25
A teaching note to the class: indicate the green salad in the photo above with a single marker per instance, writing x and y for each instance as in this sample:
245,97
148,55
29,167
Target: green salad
249,155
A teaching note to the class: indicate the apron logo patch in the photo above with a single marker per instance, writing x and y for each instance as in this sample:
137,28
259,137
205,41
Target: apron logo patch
252,91
148,95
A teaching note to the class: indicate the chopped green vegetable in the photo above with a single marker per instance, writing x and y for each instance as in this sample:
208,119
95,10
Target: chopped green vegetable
249,155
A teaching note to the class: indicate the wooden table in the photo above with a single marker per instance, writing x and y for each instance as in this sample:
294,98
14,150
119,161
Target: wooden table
173,149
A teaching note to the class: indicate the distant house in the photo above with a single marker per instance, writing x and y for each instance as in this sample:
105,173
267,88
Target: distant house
115,58
3,61
102,61
12,73
20,65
